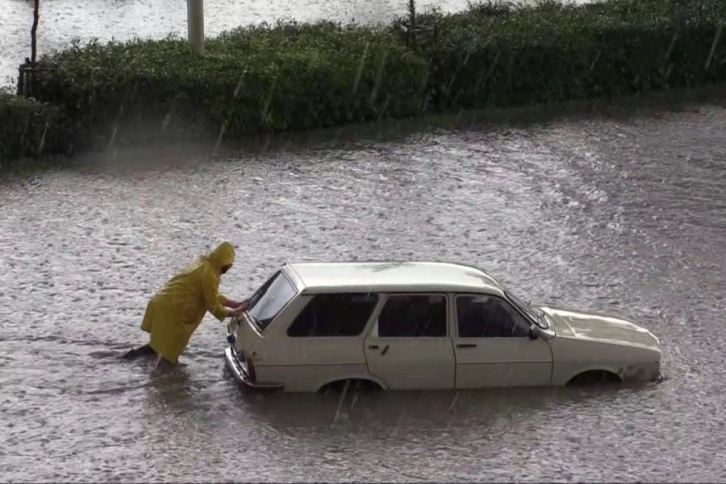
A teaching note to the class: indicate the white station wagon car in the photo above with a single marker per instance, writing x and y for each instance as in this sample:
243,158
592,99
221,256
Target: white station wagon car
422,326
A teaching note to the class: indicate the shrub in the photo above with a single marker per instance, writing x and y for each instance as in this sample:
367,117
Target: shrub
294,76
28,128
252,80
504,55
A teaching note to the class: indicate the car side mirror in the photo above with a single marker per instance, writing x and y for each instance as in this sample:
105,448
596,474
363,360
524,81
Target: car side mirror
533,333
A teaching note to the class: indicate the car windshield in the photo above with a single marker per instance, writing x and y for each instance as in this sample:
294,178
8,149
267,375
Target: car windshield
269,300
535,315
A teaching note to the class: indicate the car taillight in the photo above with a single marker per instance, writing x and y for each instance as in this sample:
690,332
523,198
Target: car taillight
251,369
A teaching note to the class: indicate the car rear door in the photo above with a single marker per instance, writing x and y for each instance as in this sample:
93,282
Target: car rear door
493,347
409,346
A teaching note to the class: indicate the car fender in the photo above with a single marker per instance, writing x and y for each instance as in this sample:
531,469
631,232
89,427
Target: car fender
585,369
342,377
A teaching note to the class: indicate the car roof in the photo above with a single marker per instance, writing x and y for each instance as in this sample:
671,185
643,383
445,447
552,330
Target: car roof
395,276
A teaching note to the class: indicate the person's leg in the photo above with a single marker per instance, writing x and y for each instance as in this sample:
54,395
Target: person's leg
146,326
162,364
145,350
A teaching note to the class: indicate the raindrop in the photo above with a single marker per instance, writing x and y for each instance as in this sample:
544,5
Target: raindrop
713,46
360,68
41,144
113,135
668,71
165,121
597,57
453,401
268,101
670,47
456,71
239,86
355,397
379,76
340,403
384,107
222,130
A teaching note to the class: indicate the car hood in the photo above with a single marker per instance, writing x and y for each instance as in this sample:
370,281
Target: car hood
601,327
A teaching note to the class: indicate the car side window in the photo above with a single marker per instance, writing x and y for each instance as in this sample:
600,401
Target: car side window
485,316
334,315
413,315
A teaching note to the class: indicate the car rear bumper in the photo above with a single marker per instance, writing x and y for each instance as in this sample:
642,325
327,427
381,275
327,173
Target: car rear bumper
240,373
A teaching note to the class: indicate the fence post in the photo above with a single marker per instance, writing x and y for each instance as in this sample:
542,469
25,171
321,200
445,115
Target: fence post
33,33
412,23
195,25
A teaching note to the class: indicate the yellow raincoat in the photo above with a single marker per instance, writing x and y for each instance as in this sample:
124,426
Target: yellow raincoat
175,312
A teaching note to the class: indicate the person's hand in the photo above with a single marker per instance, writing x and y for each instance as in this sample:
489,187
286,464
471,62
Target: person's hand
238,309
243,305
236,312
234,304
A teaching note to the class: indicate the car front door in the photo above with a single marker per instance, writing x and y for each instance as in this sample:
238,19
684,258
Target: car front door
493,347
409,347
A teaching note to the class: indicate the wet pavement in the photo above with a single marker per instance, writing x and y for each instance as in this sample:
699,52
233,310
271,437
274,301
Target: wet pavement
602,214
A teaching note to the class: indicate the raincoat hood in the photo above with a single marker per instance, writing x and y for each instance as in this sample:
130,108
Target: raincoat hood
221,256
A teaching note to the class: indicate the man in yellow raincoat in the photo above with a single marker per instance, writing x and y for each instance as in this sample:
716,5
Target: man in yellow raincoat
175,312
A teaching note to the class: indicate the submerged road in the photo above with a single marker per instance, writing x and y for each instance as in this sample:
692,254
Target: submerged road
621,216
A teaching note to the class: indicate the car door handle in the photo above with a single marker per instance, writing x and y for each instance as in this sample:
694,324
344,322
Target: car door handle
372,347
466,345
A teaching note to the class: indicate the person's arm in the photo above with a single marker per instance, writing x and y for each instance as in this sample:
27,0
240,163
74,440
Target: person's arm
228,303
237,310
224,301
212,299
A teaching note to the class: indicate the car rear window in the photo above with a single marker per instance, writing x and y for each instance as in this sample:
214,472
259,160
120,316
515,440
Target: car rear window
343,314
269,300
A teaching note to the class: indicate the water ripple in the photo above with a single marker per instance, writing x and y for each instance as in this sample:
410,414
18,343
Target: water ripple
598,214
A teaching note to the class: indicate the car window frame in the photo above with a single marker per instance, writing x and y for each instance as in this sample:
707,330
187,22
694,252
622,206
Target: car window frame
525,320
312,296
384,300
258,294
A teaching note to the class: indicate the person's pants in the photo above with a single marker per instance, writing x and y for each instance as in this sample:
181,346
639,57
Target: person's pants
145,350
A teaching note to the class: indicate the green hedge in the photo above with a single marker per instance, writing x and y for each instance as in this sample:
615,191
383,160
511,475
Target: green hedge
502,55
252,80
296,76
27,129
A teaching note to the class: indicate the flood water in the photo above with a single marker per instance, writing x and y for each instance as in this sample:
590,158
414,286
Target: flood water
621,216
602,214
